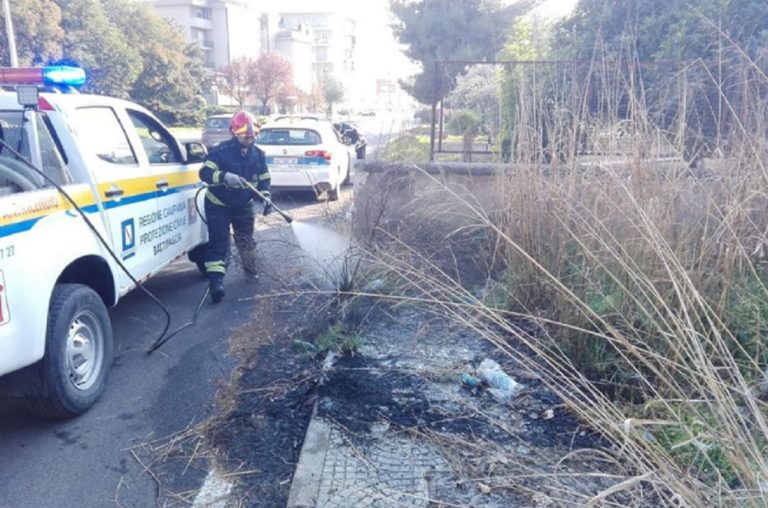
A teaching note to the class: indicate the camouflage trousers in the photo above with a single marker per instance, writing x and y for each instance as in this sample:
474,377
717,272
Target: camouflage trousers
220,219
246,248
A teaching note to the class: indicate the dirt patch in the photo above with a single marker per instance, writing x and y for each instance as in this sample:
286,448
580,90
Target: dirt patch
269,404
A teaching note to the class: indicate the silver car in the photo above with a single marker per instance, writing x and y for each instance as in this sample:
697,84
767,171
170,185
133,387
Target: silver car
216,130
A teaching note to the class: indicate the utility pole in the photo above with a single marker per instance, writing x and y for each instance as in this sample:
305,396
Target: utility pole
9,31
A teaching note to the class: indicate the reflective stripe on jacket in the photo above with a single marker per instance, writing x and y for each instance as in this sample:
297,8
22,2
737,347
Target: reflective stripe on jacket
227,158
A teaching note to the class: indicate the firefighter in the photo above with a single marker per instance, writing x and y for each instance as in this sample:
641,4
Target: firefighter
227,170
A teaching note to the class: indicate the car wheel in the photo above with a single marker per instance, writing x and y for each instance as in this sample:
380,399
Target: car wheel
78,354
333,194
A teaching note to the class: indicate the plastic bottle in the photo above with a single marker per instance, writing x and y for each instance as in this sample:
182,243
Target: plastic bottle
503,387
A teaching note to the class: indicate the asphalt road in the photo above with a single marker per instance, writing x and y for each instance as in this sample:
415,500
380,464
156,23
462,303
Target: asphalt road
99,458
87,461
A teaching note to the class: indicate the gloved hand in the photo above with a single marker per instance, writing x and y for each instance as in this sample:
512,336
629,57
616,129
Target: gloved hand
267,202
233,181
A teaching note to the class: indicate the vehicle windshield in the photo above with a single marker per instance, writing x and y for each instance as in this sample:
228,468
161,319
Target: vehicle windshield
288,137
217,123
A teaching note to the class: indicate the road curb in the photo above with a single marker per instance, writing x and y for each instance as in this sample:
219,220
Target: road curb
305,486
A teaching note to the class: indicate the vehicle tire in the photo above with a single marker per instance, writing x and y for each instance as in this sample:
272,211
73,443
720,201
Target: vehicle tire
78,354
333,194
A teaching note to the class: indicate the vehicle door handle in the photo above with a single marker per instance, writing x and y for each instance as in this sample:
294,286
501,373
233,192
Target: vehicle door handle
162,184
114,191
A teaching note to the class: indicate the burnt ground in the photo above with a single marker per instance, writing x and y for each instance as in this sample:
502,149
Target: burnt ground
402,375
267,408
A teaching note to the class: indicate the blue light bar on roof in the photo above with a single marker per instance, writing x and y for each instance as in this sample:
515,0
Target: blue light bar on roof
63,75
57,75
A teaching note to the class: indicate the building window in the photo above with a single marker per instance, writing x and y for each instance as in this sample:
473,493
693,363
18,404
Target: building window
202,13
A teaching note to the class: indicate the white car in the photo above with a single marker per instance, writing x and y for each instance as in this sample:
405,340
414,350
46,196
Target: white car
305,153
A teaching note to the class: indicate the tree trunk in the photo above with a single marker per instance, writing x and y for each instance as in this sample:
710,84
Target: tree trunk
468,138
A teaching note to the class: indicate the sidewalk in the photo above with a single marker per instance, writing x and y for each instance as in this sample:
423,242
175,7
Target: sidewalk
393,427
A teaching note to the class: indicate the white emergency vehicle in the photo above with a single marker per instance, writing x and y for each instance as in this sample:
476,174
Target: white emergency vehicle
135,183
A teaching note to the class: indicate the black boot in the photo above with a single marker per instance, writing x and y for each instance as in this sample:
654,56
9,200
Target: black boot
217,289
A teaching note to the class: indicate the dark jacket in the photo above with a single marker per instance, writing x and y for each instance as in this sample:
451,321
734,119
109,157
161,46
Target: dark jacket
226,157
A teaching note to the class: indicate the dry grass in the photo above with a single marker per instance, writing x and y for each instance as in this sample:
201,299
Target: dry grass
644,276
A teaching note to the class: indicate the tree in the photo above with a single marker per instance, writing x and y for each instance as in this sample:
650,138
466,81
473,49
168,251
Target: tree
271,73
478,91
333,92
38,32
91,42
235,79
714,41
663,29
440,31
169,82
287,98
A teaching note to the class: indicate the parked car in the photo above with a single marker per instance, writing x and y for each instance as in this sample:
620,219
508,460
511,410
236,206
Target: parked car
216,130
305,153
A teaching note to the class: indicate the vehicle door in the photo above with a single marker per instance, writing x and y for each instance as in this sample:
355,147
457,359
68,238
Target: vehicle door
30,245
178,227
125,187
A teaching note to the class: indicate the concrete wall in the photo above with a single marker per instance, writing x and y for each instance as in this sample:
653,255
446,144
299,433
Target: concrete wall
431,200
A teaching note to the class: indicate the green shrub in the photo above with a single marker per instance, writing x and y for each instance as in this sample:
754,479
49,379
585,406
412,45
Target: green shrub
463,122
405,147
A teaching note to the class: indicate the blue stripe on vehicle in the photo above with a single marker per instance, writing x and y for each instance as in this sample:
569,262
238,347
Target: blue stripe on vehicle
27,224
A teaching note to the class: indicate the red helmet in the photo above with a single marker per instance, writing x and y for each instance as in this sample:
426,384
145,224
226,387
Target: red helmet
242,124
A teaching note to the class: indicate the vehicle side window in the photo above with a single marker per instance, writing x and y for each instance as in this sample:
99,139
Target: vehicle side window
156,140
217,123
100,132
16,175
52,157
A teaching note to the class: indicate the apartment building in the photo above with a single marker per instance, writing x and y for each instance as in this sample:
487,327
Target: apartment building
319,44
334,42
297,46
225,29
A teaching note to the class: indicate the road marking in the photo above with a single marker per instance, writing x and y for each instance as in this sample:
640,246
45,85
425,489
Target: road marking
214,492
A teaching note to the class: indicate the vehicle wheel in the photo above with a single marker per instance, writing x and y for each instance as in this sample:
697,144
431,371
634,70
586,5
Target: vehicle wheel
333,194
348,177
78,354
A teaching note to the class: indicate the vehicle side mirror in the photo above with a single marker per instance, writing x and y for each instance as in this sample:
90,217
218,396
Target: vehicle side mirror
347,140
196,152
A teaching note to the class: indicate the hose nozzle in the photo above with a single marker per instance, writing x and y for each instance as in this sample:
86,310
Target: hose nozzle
256,191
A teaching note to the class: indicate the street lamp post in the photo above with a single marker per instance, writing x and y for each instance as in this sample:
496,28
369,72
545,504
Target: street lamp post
9,31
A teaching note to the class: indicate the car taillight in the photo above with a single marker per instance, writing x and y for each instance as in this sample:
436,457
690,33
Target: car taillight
318,153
